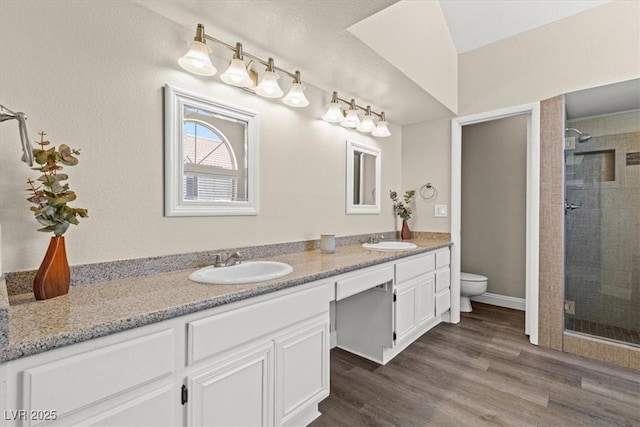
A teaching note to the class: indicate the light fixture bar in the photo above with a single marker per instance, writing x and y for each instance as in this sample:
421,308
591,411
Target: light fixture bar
353,104
247,54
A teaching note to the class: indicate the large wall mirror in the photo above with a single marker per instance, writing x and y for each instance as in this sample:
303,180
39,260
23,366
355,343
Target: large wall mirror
211,157
363,179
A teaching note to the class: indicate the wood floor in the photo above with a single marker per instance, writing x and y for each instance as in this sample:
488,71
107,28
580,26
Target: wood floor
480,372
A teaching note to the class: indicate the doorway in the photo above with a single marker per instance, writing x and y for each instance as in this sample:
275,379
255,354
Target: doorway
532,113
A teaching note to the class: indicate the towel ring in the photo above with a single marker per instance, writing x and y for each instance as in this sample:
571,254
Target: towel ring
428,191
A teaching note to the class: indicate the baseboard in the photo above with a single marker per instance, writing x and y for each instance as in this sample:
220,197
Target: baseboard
333,340
501,301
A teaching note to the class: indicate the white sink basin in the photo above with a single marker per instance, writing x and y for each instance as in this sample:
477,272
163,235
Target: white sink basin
246,272
389,246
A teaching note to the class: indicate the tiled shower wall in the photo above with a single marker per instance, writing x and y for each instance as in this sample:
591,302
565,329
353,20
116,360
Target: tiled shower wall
602,238
551,283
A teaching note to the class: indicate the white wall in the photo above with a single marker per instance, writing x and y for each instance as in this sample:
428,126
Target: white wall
594,48
597,47
426,157
494,208
91,75
414,37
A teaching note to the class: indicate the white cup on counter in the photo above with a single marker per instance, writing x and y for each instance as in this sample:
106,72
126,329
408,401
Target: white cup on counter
327,243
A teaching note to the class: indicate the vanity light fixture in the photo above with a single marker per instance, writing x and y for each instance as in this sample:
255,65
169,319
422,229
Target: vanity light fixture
197,61
269,87
350,119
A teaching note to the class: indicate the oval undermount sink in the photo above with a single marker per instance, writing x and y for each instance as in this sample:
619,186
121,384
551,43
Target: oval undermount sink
389,246
246,272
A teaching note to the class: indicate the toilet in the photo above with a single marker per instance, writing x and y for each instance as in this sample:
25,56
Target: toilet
471,285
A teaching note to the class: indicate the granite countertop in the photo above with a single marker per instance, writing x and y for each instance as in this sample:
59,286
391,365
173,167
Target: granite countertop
95,310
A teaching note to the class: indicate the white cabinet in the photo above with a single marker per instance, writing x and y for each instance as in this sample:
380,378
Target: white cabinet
125,379
261,365
381,311
237,391
263,361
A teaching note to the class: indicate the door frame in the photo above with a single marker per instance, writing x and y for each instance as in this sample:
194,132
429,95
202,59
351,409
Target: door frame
532,111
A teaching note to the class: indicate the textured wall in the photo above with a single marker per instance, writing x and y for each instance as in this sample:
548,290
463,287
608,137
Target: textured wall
494,182
91,74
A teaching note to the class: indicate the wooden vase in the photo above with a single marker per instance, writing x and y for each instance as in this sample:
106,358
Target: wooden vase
53,276
405,234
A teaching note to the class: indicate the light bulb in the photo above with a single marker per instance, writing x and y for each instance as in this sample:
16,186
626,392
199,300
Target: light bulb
295,97
367,124
351,120
197,60
269,87
333,114
381,130
236,74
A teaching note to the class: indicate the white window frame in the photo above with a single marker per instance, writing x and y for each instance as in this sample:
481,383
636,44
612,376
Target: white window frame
174,203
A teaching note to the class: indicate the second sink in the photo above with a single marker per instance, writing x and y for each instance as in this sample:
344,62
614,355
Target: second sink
247,272
389,246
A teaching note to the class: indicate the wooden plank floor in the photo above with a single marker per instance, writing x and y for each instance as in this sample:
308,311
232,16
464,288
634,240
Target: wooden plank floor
480,372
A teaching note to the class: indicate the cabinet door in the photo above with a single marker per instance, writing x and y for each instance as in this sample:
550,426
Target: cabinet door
235,392
425,296
405,310
302,371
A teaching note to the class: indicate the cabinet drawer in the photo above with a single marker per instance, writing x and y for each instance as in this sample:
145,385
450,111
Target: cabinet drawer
414,267
78,381
363,281
443,258
443,279
443,302
211,335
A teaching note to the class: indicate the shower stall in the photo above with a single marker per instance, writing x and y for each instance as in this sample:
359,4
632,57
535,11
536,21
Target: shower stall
602,226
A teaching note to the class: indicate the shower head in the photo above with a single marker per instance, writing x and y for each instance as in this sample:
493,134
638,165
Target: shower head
583,137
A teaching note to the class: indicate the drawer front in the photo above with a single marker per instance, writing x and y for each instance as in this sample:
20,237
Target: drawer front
363,281
443,302
414,267
78,381
212,335
443,258
443,279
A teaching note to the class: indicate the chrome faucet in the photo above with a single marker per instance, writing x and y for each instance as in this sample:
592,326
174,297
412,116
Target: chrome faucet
232,259
373,239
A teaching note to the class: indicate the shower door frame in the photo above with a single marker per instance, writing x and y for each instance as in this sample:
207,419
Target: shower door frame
532,111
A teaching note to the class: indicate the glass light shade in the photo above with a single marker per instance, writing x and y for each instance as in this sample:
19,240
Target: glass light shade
197,60
269,87
237,75
367,124
381,130
295,97
333,114
351,120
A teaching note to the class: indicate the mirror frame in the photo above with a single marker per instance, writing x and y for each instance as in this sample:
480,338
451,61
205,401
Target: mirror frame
174,101
352,209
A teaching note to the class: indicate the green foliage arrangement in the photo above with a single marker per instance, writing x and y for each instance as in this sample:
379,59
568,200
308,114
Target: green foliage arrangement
51,196
402,209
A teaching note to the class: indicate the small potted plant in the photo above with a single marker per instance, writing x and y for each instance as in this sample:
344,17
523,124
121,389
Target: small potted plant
402,208
51,197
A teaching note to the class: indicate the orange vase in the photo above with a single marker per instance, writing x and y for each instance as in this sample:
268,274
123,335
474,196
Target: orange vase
53,276
405,234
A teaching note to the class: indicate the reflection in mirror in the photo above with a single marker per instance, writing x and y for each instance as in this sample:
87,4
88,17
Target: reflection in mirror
210,157
363,179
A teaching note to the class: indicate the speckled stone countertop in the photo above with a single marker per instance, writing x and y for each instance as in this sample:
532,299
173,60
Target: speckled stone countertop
91,311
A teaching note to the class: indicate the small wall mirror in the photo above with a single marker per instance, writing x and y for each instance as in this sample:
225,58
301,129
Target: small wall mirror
363,179
211,157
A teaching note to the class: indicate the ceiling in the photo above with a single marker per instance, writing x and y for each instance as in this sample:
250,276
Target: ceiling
597,101
313,36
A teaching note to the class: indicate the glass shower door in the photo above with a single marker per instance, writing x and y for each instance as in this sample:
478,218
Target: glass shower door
602,227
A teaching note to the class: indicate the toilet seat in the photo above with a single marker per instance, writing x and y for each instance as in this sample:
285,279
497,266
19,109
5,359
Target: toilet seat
470,277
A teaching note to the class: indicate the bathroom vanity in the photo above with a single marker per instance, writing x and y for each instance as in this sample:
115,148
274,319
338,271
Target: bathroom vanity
258,359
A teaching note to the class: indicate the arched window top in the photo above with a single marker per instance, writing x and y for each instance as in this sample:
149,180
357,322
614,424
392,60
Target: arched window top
204,145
